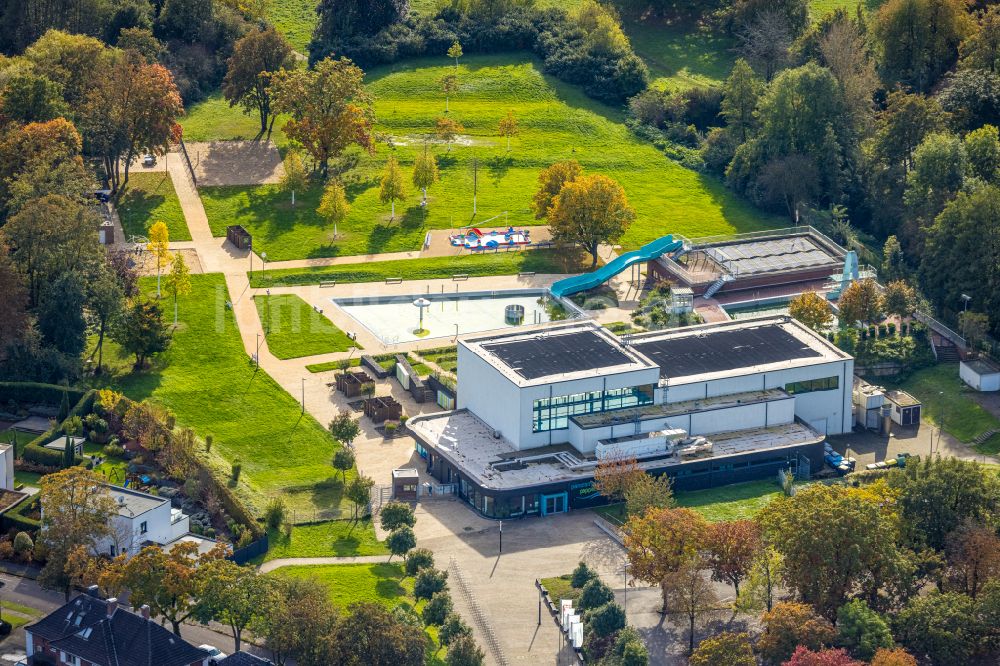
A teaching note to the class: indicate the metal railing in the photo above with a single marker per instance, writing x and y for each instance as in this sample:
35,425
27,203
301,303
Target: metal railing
480,618
940,329
187,160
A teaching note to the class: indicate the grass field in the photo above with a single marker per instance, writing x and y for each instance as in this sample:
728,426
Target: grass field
556,122
560,587
212,119
949,403
208,381
430,268
682,56
384,584
296,20
336,538
819,8
294,329
150,198
733,502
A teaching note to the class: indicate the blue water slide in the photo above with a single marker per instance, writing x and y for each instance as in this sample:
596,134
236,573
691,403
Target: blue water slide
647,252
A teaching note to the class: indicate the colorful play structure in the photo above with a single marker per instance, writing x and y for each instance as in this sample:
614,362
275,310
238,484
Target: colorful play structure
477,240
647,252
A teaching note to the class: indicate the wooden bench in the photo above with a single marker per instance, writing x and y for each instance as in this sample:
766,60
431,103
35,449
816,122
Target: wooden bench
526,274
394,280
328,283
459,276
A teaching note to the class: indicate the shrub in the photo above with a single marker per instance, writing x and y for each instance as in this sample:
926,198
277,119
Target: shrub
39,454
595,593
882,330
605,620
113,451
237,468
419,559
436,610
401,541
582,575
428,582
23,546
276,513
395,515
208,443
6,550
891,328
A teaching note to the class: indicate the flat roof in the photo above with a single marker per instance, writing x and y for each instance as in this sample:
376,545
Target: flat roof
771,255
468,443
982,366
901,398
759,344
557,353
132,503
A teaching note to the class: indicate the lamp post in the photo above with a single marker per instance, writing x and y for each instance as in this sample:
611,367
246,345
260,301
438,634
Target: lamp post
501,537
257,357
965,302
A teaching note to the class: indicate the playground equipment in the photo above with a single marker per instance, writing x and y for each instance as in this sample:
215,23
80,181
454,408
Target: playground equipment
647,252
476,240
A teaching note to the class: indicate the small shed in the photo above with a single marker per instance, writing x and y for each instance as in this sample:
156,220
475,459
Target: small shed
383,408
681,300
981,374
239,237
352,384
904,408
59,444
405,482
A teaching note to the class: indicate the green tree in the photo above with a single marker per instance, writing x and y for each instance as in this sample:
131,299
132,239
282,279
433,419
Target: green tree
936,496
60,315
333,206
861,301
344,427
766,570
629,648
49,237
395,515
590,210
392,189
141,331
981,49
359,492
73,62
178,281
343,459
974,326
893,267
76,511
508,127
594,594
455,52
298,620
604,620
939,627
437,609
425,172
812,310
724,649
648,492
294,176
862,630
918,40
31,98
401,541
962,251
803,526
372,635
937,175
740,94
428,582
982,150
231,594
256,57
449,86
789,625
661,540
105,302
463,651
447,130
329,108
71,428
418,559
452,628
899,299
582,575
550,182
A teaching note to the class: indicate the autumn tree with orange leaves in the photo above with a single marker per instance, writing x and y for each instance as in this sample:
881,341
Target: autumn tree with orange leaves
732,546
662,540
614,475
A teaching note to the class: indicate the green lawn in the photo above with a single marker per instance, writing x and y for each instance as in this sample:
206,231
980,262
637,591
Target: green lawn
683,55
732,502
349,583
18,436
208,381
150,198
819,8
212,119
556,122
430,268
296,20
337,538
560,587
948,402
294,329
332,365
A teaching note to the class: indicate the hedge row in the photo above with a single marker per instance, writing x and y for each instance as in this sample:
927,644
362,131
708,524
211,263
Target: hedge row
35,392
35,450
15,517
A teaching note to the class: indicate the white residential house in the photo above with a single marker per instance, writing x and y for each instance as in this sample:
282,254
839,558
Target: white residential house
142,519
6,467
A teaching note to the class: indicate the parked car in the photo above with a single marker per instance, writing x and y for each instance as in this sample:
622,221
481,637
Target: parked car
149,160
215,655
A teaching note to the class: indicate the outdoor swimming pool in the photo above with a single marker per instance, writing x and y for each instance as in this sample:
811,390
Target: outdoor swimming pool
395,319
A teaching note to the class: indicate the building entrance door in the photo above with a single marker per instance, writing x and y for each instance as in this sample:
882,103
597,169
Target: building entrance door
554,503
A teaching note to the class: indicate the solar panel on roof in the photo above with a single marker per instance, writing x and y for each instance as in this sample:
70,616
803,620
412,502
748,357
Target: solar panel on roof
547,355
724,350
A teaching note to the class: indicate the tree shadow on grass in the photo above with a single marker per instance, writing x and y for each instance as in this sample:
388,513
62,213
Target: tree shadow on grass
498,166
136,208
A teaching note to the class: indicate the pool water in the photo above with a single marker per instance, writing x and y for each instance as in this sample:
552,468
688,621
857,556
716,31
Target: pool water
395,319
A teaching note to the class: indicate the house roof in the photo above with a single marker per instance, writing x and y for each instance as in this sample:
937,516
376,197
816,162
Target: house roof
242,658
83,628
132,503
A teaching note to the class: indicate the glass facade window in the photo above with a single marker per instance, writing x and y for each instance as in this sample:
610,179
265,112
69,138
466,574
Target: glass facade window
553,413
810,385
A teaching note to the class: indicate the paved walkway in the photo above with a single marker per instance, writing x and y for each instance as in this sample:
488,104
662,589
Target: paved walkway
307,561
